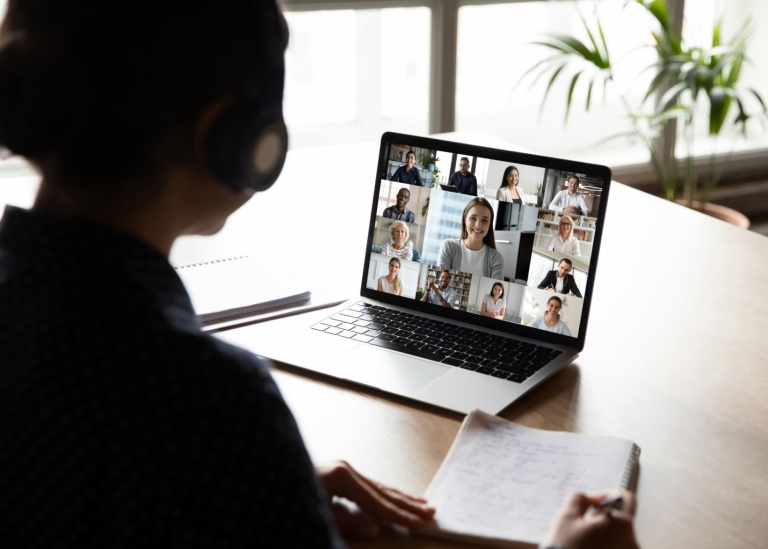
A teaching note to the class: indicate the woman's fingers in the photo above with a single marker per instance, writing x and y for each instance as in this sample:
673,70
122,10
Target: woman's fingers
379,501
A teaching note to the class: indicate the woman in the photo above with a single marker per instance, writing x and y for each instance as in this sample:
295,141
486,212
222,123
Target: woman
494,304
508,190
399,233
475,252
551,319
564,242
123,423
391,283
408,174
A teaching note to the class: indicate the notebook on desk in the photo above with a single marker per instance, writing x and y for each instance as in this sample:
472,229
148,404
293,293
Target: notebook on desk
465,301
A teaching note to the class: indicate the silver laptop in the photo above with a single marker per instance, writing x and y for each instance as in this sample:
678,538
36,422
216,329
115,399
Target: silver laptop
468,299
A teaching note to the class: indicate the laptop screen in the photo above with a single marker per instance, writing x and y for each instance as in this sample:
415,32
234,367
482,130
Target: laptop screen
499,238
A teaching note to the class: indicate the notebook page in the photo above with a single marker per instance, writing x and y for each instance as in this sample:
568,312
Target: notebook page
501,480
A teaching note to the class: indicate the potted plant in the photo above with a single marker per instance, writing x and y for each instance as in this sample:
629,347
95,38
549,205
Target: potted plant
429,162
686,80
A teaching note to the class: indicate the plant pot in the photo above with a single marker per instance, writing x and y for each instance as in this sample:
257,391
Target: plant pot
431,167
723,213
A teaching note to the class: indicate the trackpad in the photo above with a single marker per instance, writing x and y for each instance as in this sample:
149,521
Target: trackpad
385,370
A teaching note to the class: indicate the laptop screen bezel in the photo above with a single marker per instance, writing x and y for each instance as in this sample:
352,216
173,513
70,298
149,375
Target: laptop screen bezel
513,157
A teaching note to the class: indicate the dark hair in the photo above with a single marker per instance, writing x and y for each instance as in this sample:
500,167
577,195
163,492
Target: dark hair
411,152
446,271
506,173
567,261
488,239
500,285
464,158
574,176
90,89
404,189
555,298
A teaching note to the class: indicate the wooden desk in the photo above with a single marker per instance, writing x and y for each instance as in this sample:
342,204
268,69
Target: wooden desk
676,360
676,355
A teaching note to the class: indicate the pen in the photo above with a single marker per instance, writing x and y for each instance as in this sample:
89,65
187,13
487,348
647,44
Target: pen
612,502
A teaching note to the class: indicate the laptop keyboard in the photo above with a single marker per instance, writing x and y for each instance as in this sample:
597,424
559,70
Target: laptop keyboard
457,346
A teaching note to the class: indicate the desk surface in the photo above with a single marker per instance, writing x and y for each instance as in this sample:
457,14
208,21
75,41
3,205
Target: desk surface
675,357
675,360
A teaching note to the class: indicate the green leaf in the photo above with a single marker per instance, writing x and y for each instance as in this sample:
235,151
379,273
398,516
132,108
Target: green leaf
570,94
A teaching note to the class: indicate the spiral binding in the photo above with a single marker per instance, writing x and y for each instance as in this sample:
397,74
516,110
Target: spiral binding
212,261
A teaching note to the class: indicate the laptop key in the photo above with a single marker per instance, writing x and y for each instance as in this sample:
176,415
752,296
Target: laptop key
403,349
345,333
485,370
386,337
357,307
459,356
346,326
401,340
452,361
359,329
373,333
470,366
363,338
500,373
320,327
516,378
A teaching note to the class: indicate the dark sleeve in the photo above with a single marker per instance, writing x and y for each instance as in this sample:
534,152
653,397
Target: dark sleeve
574,287
418,176
473,189
412,218
452,179
234,471
544,283
397,176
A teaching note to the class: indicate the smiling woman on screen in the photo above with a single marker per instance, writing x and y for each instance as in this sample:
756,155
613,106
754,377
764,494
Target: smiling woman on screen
475,252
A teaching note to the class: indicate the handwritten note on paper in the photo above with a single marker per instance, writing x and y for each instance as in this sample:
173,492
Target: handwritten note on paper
505,481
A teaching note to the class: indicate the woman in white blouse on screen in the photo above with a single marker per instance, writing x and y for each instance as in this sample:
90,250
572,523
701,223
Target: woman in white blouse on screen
564,242
391,283
494,304
399,232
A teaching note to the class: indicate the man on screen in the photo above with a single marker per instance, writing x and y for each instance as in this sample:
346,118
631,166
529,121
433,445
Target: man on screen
569,200
464,181
399,211
561,281
440,295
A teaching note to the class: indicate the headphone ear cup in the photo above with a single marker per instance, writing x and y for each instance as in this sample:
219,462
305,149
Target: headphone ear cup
246,149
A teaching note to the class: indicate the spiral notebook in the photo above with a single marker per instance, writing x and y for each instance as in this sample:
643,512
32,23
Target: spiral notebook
502,483
238,287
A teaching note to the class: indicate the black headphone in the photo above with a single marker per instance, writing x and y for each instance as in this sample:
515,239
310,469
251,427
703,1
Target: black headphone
248,141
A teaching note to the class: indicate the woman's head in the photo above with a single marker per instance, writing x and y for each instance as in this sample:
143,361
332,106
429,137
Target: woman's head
477,222
399,232
98,93
497,290
394,266
511,177
554,304
566,226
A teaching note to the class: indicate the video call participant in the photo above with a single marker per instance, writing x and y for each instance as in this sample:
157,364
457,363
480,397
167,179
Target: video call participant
508,190
123,424
408,174
399,233
494,304
550,320
391,283
570,200
398,210
564,242
475,252
442,294
464,181
560,281
157,433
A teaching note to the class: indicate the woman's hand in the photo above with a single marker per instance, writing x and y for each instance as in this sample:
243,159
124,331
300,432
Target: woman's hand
377,503
574,528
